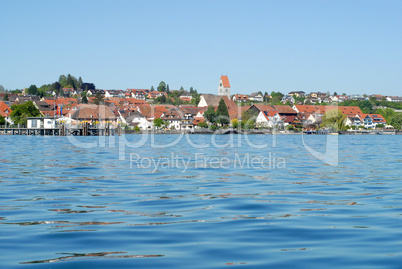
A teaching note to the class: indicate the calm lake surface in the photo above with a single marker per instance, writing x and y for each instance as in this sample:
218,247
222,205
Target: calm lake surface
200,201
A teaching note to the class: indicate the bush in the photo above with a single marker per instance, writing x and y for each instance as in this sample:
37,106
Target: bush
202,124
136,128
213,127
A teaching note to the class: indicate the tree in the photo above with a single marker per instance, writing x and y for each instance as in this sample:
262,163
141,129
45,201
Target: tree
202,124
152,89
266,97
5,98
161,99
210,114
235,123
167,88
248,119
80,82
181,89
32,90
56,87
276,98
84,97
196,98
379,126
222,113
396,121
387,113
191,90
21,112
162,87
88,86
63,81
335,93
99,99
158,122
334,119
2,120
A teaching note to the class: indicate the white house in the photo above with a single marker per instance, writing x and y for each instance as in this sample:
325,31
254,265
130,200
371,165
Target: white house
353,121
269,119
256,97
137,119
394,99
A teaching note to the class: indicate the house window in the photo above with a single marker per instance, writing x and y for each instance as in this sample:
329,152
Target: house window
220,84
34,125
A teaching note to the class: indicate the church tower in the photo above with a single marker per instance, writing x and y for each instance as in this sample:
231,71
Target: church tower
224,87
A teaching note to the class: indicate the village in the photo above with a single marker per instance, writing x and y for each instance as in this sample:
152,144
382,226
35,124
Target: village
105,112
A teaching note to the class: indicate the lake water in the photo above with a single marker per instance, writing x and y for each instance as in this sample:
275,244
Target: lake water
201,201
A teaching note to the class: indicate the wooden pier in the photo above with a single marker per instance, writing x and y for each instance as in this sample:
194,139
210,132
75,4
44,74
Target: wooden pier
63,130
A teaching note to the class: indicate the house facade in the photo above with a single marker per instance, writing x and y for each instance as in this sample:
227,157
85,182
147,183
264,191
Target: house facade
372,120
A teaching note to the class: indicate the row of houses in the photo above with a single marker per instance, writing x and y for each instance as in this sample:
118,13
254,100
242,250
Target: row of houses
136,112
314,97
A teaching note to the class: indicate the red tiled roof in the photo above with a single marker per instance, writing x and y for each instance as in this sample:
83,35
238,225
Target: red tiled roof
86,112
225,81
3,108
285,109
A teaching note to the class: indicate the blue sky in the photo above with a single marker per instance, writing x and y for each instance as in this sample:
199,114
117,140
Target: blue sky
345,46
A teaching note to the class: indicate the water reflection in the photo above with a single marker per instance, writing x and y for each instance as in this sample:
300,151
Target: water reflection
104,255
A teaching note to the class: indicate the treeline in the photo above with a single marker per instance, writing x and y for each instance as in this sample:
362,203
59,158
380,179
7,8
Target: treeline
368,106
68,81
173,97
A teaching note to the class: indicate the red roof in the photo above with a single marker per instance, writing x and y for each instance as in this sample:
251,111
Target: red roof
225,81
4,109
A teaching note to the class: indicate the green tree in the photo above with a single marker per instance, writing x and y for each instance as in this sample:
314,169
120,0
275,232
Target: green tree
99,99
210,114
222,113
33,90
181,89
21,112
84,97
334,119
191,90
6,98
167,88
203,124
248,119
396,121
235,123
276,98
162,87
79,83
63,81
161,99
387,113
158,122
2,120
196,98
152,89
